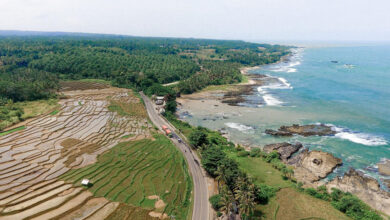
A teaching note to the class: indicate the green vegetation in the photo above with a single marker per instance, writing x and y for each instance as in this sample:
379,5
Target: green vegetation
215,201
234,184
127,136
345,202
134,108
289,203
32,66
127,109
264,184
12,113
133,171
54,112
12,130
198,138
102,81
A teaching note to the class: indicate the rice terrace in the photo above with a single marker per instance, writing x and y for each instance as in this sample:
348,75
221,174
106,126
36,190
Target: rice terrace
100,133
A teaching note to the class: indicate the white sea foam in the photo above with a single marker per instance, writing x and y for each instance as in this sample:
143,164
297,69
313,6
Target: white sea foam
358,137
288,67
238,126
361,138
272,101
285,83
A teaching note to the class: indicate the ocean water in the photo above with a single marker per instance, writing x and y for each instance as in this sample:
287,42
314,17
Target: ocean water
345,87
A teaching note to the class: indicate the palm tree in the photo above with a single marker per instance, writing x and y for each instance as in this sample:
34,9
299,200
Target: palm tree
220,173
227,200
245,195
290,173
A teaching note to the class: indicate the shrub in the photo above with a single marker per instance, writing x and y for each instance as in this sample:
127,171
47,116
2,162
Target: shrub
276,163
273,155
230,170
239,148
255,152
264,193
299,187
211,158
337,194
215,202
355,208
243,153
345,202
198,138
311,191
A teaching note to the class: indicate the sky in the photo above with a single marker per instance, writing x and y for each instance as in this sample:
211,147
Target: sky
253,20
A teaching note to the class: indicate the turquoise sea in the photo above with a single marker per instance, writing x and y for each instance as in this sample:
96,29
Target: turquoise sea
345,87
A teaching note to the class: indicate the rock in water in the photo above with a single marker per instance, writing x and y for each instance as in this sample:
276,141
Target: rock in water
285,150
384,167
304,130
311,166
278,133
364,187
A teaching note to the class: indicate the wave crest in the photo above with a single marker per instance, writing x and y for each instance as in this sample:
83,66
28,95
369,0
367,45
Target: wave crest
358,137
240,127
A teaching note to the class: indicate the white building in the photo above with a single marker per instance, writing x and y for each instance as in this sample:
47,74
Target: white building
85,182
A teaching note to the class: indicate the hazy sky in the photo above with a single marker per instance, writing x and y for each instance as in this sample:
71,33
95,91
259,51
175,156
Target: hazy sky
367,20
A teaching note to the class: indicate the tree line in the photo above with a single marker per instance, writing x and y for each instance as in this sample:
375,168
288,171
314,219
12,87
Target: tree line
31,66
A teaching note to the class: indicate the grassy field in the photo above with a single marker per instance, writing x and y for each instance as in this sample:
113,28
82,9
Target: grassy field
141,173
96,81
226,87
291,204
288,203
261,171
16,112
135,108
35,108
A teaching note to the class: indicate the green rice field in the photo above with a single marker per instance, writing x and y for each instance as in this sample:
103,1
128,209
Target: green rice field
132,171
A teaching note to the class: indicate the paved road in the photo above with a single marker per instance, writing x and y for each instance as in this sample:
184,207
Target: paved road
201,210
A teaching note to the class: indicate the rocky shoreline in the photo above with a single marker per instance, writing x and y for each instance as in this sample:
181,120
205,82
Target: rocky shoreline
311,167
304,130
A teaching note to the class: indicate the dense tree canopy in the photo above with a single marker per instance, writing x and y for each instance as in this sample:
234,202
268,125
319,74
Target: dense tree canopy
31,66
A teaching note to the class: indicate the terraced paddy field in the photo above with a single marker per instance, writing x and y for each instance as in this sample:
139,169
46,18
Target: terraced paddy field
146,173
70,141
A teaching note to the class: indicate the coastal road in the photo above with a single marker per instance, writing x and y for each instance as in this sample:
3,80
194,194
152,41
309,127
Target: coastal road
201,209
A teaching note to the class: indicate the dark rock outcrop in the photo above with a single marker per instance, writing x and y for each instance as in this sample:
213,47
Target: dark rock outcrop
285,150
304,130
364,187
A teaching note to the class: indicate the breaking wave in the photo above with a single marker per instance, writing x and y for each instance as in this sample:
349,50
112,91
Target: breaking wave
240,127
358,137
288,67
270,100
